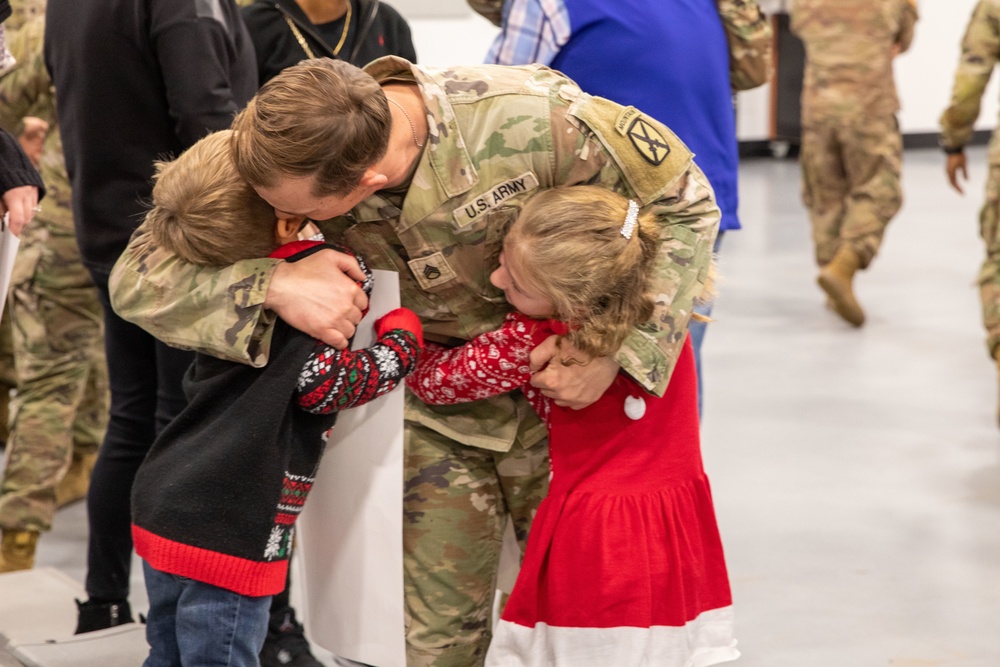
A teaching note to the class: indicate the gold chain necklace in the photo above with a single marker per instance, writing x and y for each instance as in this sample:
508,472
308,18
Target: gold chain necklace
305,45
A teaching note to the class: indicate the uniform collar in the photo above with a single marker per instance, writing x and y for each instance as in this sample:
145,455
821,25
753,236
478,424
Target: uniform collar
445,170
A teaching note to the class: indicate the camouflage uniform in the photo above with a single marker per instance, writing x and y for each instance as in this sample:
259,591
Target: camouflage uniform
8,378
62,403
980,52
851,145
497,134
749,36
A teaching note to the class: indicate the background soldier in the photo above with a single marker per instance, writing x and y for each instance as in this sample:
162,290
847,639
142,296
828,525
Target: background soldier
461,161
61,407
980,52
852,150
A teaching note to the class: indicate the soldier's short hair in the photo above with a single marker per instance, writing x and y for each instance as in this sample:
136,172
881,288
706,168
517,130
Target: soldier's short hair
322,117
205,212
568,245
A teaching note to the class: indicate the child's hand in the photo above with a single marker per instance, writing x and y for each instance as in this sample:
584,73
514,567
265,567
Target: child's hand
401,318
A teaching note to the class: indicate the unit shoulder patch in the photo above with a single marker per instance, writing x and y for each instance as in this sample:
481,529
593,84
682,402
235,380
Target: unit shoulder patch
649,154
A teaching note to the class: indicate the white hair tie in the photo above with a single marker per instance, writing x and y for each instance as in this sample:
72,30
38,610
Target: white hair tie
631,218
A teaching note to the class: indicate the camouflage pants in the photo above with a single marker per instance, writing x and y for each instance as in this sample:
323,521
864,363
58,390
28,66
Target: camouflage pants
8,378
989,274
850,184
62,401
457,500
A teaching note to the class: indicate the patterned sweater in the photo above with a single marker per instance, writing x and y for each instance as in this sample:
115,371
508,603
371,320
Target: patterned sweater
492,363
218,495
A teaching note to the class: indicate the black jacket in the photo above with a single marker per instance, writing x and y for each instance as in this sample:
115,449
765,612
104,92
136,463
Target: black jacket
138,81
375,30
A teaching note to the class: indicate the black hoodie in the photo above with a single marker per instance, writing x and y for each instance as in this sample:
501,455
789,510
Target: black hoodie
375,30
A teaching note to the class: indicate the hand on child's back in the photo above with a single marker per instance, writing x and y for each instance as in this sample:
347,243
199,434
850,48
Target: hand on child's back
570,385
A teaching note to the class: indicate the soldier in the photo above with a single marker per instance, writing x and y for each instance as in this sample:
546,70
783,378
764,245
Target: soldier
62,403
980,52
423,169
852,149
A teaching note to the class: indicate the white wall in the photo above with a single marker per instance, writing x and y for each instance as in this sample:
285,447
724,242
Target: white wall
458,40
452,34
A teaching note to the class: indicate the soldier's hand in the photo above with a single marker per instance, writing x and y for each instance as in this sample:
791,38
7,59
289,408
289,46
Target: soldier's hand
956,165
32,137
572,385
320,296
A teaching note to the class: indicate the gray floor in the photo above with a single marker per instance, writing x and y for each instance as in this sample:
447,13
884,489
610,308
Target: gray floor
856,472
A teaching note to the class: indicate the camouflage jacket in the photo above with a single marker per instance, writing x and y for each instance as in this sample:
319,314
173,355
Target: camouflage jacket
497,134
749,36
850,46
980,52
26,90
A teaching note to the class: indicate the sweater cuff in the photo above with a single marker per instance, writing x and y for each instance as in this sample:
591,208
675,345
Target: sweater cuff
17,170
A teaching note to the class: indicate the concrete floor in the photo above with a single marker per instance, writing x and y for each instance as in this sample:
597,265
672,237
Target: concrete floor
856,472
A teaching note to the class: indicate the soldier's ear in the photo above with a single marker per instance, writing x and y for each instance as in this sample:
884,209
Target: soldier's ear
373,180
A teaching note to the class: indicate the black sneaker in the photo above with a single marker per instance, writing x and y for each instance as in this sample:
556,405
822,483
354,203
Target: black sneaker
93,616
286,644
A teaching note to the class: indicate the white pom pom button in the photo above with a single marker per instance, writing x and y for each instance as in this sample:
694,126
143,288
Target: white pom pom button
635,407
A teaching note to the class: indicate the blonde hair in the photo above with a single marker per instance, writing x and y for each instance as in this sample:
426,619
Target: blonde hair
567,245
321,117
203,210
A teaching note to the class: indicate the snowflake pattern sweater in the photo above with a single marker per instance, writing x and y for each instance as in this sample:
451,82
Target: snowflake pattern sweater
218,495
492,363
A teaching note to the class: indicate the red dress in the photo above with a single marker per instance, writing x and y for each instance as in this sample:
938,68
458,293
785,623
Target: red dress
624,566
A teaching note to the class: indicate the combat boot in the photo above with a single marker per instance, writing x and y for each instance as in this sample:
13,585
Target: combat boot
836,279
74,484
17,550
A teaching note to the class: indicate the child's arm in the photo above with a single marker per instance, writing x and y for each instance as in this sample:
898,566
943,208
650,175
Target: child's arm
333,380
493,363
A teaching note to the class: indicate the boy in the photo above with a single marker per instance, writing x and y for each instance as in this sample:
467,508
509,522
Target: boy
215,501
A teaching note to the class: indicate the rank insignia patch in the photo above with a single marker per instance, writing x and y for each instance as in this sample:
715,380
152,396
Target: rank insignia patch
648,141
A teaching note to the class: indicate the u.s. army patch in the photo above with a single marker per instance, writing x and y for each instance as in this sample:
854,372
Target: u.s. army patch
471,210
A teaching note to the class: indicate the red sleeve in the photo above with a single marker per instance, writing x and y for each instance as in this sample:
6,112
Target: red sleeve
489,365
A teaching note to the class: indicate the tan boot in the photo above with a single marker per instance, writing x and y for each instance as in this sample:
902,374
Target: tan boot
74,484
836,280
17,550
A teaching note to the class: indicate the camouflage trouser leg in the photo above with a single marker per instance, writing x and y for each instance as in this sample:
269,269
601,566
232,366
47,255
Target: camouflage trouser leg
8,377
62,402
850,184
456,504
989,274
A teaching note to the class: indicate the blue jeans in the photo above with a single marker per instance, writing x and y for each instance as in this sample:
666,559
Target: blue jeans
192,623
697,329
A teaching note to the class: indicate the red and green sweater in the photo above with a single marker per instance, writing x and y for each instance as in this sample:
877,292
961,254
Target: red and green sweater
217,497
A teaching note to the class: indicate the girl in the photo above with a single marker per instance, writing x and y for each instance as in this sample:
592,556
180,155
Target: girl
624,565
